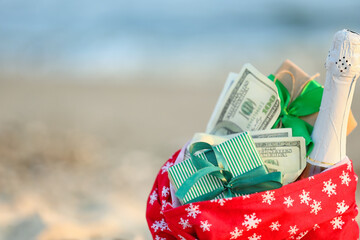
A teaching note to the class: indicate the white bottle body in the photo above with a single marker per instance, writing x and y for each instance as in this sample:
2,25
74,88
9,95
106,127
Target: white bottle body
342,71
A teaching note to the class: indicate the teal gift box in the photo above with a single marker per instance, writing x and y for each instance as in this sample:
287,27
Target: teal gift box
230,169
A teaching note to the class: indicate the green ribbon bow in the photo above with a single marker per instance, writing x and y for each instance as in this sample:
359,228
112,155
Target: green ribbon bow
256,180
308,102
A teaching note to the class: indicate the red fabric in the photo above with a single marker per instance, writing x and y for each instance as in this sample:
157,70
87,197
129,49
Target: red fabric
320,207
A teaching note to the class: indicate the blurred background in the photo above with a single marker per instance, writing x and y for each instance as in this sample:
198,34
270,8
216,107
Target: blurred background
96,95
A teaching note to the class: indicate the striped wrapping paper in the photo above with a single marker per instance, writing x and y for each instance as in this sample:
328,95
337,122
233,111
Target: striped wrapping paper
240,154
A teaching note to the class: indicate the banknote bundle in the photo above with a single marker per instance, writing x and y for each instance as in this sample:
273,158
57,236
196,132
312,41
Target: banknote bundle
249,101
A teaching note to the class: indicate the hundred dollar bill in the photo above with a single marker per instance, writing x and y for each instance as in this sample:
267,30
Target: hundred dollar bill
250,103
215,140
287,155
228,83
272,133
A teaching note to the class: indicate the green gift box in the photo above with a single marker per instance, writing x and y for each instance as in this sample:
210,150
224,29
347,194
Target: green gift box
230,169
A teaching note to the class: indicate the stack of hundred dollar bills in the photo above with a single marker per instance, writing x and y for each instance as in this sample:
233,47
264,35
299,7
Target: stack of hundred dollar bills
250,102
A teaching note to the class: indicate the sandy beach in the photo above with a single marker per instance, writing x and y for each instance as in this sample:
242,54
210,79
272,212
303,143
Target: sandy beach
78,161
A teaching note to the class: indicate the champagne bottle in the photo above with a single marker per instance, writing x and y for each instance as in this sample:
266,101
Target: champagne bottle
329,134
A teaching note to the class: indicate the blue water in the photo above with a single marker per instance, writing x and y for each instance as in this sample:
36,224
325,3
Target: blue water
109,38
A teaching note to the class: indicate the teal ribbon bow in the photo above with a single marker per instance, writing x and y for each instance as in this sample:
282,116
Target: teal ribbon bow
308,102
256,180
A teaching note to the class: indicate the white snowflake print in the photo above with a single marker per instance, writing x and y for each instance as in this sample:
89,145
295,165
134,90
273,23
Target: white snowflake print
356,177
311,178
153,197
301,235
221,201
349,166
345,179
293,230
245,196
205,226
337,223
288,201
316,226
162,225
181,237
275,226
184,223
329,188
268,197
255,237
236,233
315,207
304,197
193,210
165,168
341,207
165,191
164,204
251,221
159,238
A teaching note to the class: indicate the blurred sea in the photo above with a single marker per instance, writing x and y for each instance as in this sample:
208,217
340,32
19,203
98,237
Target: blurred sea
96,95
165,41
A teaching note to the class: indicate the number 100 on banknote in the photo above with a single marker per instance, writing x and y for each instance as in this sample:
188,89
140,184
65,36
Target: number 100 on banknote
249,102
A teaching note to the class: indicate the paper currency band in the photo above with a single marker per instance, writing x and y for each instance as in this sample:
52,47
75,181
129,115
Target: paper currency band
309,159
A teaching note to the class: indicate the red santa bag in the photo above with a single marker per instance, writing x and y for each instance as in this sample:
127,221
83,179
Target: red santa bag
318,207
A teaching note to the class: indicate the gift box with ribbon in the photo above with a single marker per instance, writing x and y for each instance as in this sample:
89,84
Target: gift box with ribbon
230,169
306,103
